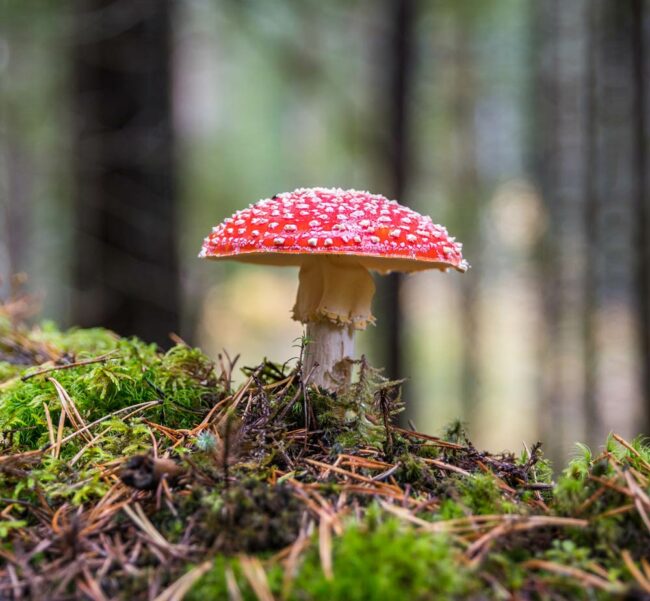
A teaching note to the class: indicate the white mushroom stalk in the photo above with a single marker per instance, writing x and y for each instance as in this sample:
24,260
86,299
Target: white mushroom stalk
336,237
333,300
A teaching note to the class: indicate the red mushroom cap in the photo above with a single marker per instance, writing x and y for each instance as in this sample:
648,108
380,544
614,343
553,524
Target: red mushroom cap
380,233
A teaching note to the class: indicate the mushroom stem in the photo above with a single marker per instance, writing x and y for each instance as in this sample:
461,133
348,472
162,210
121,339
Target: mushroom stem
334,297
328,355
336,289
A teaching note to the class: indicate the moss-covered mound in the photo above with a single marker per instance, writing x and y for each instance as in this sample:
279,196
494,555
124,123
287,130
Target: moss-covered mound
131,473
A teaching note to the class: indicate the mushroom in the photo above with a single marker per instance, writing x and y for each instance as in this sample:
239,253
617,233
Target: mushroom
336,237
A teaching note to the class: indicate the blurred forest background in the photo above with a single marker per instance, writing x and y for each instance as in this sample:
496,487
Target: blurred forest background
129,127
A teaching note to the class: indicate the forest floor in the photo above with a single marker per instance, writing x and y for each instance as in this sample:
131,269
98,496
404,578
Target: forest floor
131,473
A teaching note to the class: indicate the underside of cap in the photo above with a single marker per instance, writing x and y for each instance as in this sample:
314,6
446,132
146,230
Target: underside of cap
380,264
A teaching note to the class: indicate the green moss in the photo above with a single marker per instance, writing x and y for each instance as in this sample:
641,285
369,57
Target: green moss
413,470
456,432
401,563
8,370
249,516
481,495
82,343
579,489
429,451
183,380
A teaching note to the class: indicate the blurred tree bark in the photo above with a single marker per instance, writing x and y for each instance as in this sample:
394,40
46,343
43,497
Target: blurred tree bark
561,93
545,22
395,160
16,200
593,419
640,42
126,265
466,204
620,122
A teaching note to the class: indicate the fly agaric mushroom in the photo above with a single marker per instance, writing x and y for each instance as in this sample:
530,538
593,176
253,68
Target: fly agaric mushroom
336,237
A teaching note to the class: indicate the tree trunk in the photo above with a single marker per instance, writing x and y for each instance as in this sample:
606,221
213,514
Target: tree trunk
401,17
467,203
593,418
126,274
620,192
545,24
640,39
